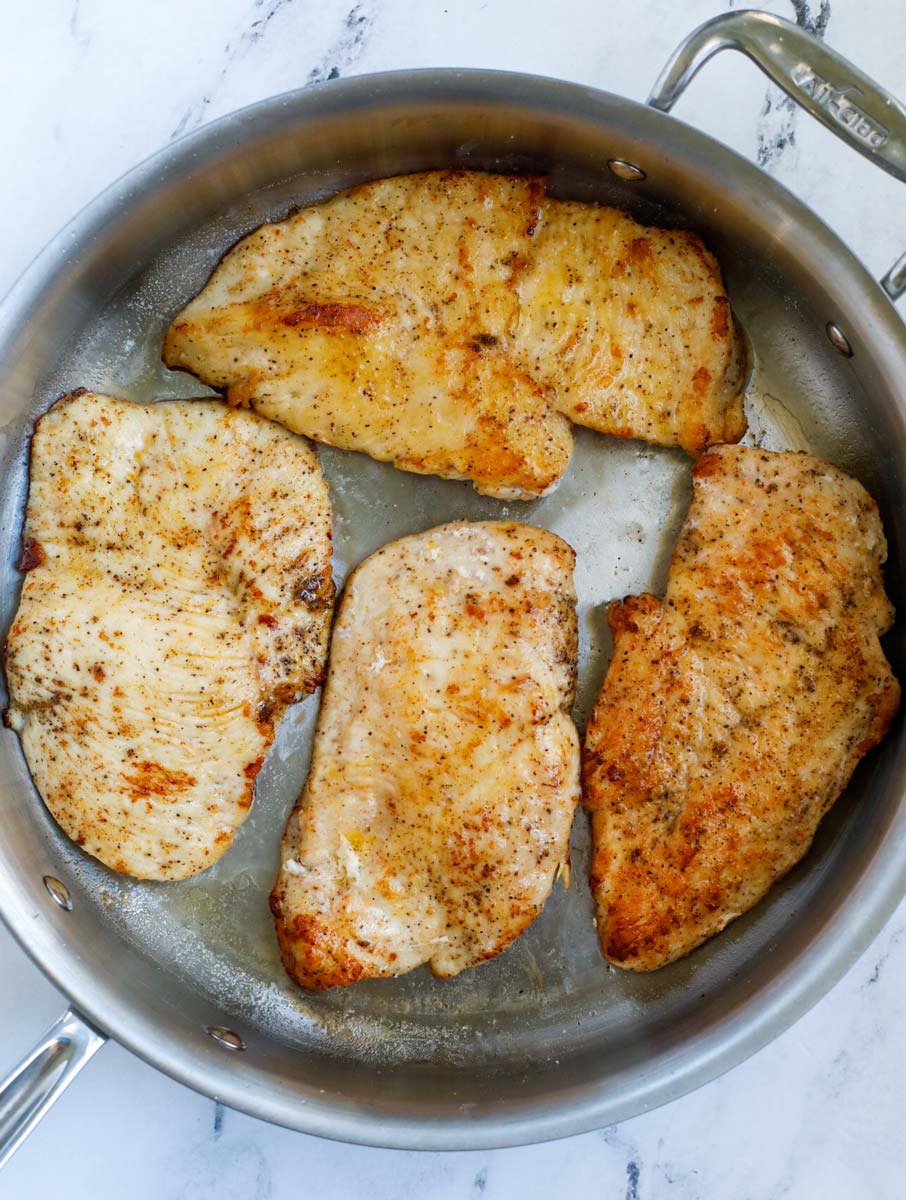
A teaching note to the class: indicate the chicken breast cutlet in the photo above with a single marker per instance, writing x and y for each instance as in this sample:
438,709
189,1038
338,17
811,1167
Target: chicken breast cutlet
445,771
735,710
177,596
454,323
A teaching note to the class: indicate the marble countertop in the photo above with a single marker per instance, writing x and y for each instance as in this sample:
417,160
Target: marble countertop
93,86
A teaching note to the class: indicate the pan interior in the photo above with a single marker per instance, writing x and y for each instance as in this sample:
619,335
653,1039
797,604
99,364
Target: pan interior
550,996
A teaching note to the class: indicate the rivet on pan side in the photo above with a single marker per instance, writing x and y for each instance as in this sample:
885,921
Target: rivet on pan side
58,892
625,170
228,1038
838,339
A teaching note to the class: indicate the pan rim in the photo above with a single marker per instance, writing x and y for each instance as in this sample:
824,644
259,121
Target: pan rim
729,1040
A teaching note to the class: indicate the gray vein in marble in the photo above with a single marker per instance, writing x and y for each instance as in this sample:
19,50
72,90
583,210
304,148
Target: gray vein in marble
342,54
237,1168
218,1120
233,52
882,961
614,1137
257,29
776,134
837,1074
677,1179
79,34
480,1182
347,47
632,1180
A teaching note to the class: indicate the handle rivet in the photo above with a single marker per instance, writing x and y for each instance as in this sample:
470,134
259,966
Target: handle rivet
228,1038
838,339
58,892
625,170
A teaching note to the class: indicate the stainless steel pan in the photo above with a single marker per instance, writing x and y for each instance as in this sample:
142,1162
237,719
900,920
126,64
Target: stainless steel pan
547,1040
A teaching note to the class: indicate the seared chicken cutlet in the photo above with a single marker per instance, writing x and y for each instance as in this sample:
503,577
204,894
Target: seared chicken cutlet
445,771
454,323
178,595
736,709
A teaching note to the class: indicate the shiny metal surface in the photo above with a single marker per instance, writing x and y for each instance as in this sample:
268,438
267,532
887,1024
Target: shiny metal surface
58,892
834,91
823,82
625,170
547,1040
894,282
228,1038
838,339
42,1077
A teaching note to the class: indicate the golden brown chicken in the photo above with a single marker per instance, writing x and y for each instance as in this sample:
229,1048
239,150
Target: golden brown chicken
451,322
736,709
445,771
178,594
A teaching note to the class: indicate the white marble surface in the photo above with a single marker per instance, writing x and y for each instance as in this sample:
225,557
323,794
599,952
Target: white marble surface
91,87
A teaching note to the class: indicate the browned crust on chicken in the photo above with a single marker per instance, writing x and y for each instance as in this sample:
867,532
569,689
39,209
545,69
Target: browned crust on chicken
735,710
445,769
450,322
177,597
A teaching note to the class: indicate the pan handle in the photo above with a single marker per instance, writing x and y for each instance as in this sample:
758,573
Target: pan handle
43,1075
823,82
